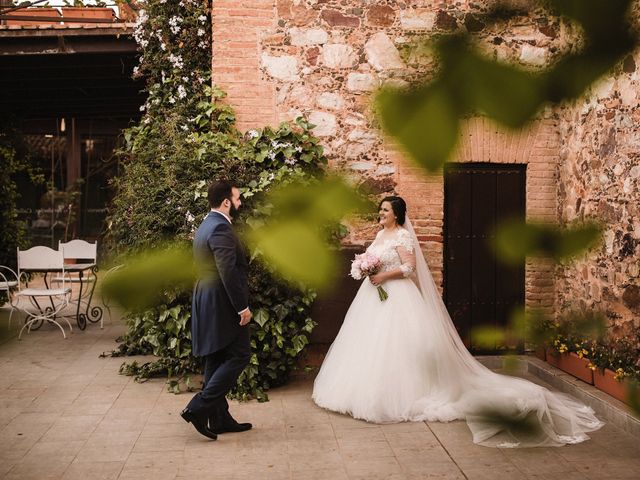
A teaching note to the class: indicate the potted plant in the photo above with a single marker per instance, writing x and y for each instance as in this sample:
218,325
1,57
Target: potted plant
574,363
616,365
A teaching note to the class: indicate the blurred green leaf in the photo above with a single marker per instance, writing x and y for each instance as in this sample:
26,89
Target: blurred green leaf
297,251
292,240
516,240
507,94
146,276
488,337
590,324
424,116
424,120
633,399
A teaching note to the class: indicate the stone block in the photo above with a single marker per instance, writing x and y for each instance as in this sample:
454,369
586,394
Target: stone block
382,53
307,36
339,55
283,68
325,123
337,19
361,82
381,15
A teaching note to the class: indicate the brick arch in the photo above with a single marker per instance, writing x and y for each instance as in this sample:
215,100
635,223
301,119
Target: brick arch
538,146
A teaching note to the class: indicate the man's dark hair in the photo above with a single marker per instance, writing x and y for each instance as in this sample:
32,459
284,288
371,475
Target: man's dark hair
218,192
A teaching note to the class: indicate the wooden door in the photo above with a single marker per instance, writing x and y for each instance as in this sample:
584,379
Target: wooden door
479,290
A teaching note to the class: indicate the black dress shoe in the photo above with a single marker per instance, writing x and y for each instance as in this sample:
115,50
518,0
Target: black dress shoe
199,425
230,426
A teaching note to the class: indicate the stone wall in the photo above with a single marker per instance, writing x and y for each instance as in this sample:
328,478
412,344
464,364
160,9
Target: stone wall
600,180
278,59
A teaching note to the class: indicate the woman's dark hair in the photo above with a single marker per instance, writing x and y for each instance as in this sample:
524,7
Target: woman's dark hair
218,192
398,206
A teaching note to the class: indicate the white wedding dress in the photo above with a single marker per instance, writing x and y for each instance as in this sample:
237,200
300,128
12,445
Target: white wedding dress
402,360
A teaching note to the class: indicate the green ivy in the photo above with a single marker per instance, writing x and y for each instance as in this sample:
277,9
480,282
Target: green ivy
180,145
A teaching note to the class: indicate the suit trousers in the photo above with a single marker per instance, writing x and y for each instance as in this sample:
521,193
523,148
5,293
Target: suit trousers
221,371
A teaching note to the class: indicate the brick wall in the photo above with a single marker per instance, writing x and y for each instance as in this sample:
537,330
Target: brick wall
239,30
282,58
481,141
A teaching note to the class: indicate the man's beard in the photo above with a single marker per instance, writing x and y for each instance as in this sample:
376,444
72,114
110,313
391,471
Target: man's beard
233,211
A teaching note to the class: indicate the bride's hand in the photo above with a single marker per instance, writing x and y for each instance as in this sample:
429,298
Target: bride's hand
376,279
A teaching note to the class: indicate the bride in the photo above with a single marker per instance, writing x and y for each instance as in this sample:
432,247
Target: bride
402,360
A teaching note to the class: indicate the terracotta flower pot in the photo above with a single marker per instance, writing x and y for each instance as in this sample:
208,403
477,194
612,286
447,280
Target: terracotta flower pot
35,13
99,13
605,381
572,364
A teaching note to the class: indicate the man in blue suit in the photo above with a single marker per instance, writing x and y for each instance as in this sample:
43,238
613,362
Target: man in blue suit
219,314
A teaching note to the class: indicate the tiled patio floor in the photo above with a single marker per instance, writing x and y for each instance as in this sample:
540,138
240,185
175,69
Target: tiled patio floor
67,414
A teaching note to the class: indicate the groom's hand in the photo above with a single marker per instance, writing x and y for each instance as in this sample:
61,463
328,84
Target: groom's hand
245,317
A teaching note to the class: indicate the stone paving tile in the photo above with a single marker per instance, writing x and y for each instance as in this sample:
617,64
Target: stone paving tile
67,414
93,471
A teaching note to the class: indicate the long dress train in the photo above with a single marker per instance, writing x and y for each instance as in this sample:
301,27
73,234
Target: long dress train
402,360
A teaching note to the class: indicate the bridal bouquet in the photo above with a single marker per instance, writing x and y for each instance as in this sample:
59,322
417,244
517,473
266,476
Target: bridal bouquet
365,265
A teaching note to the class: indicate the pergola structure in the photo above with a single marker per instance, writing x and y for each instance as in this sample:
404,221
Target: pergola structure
70,82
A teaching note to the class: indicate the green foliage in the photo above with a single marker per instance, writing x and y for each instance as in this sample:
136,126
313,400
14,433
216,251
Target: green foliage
186,139
292,241
14,161
517,240
587,337
426,116
148,278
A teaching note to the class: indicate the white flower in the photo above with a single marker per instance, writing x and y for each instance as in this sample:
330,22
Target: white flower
291,161
176,61
174,25
252,134
172,100
185,79
182,93
202,18
184,127
142,108
201,32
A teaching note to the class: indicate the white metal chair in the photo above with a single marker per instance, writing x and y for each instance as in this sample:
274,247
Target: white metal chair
42,259
8,284
78,250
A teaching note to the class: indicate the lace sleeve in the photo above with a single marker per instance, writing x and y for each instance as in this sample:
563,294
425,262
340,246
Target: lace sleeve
404,240
404,247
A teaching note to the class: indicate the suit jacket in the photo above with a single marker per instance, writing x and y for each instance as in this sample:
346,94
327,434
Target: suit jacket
221,290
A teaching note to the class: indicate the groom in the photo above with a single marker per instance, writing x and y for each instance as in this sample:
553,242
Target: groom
219,314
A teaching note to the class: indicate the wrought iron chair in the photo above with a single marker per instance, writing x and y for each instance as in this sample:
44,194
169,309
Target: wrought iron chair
42,259
8,284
